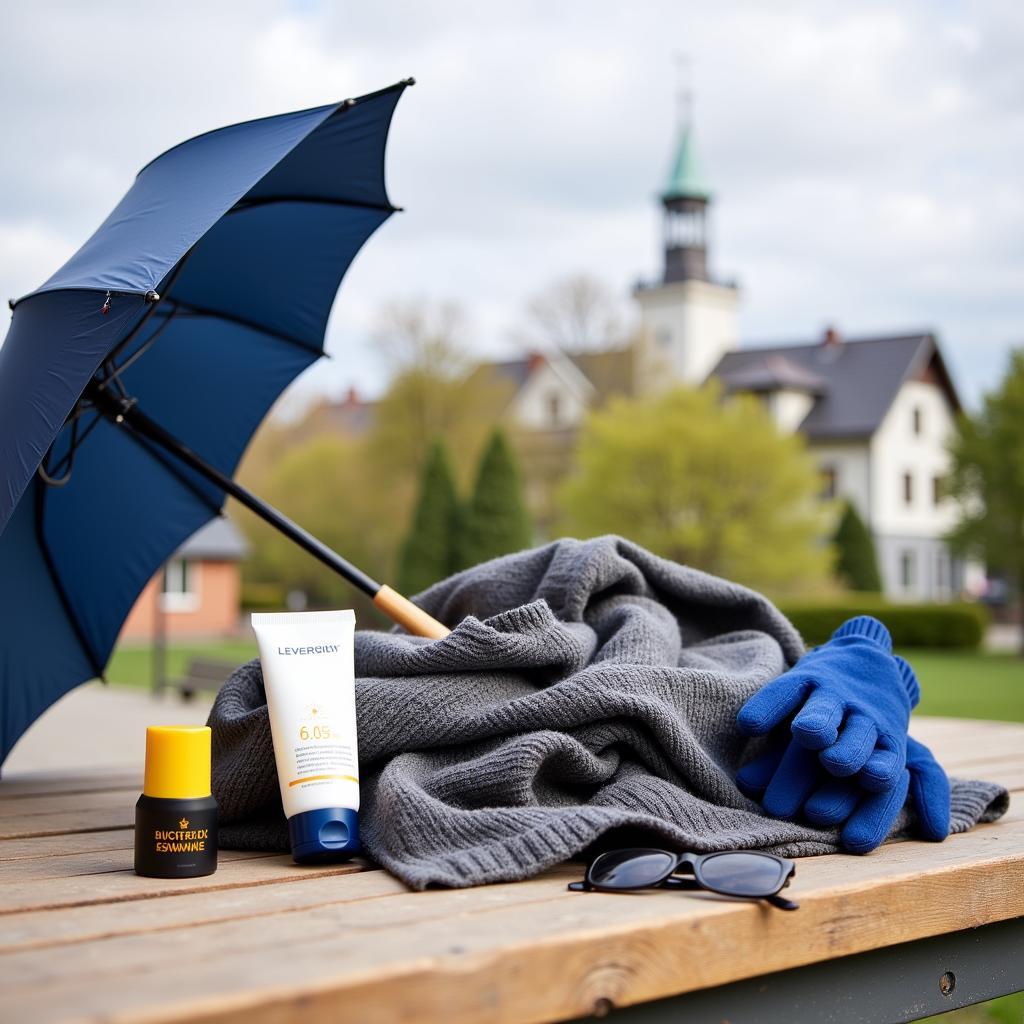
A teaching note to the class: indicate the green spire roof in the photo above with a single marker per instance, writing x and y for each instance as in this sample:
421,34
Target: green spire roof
685,179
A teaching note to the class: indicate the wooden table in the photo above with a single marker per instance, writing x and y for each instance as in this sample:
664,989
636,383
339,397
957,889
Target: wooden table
263,940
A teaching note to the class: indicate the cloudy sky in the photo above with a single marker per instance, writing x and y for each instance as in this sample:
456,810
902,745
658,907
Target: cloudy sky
866,158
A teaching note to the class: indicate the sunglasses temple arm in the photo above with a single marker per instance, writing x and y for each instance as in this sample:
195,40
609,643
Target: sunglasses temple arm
782,903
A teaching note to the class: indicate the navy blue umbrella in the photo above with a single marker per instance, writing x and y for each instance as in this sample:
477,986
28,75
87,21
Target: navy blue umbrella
133,379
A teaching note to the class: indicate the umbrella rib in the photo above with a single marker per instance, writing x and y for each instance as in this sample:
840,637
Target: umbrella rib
247,204
191,307
160,457
58,586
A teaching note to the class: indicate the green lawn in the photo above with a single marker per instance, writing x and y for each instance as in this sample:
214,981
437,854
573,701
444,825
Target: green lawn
969,684
132,665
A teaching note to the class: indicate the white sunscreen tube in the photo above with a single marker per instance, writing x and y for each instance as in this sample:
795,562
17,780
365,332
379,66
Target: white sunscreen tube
309,677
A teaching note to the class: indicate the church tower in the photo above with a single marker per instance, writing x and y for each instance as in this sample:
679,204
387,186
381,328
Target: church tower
688,320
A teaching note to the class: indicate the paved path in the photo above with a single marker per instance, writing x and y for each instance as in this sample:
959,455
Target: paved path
97,726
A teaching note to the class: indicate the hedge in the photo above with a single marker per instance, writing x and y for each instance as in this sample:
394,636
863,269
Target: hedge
911,625
263,597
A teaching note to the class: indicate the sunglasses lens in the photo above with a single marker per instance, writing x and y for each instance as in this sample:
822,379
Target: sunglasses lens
631,869
742,874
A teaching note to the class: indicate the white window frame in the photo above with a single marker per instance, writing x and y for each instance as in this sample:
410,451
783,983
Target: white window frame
180,599
908,561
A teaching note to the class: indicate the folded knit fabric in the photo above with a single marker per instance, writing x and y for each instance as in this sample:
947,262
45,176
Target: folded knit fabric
587,695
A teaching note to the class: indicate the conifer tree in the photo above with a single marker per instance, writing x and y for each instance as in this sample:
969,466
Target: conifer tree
496,520
428,553
856,563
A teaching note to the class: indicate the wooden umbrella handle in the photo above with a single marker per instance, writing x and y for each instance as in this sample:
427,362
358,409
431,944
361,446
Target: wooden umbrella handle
401,610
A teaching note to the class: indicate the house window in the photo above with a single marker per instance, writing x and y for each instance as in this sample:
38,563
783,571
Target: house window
554,408
908,570
917,421
908,489
180,592
829,482
938,489
941,583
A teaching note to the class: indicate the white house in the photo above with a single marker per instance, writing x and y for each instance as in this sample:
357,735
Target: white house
877,412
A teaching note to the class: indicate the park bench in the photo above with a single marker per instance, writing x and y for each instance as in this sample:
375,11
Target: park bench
203,675
910,930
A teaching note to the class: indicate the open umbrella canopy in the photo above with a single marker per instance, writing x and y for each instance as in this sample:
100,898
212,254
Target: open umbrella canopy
201,296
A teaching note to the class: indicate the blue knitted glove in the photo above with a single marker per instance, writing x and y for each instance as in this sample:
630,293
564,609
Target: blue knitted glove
780,779
867,818
852,701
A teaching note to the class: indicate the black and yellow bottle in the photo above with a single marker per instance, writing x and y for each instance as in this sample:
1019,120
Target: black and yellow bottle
176,817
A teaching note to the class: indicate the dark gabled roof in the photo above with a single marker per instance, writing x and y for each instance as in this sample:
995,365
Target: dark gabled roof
858,378
352,416
513,371
218,541
609,371
775,372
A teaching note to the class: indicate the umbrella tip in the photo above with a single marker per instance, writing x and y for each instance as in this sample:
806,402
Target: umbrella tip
10,305
349,103
152,296
409,81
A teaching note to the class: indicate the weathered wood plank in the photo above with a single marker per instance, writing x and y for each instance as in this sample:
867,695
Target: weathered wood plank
117,886
29,784
13,812
104,862
186,910
58,823
66,845
75,924
471,955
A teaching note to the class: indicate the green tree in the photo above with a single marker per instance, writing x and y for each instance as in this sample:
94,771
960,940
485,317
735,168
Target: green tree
326,485
579,313
432,393
704,482
428,553
856,561
987,479
496,519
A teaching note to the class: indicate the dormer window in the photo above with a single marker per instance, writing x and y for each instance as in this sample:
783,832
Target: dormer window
908,489
916,421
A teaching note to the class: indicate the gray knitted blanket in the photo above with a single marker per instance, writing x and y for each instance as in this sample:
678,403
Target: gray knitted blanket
587,695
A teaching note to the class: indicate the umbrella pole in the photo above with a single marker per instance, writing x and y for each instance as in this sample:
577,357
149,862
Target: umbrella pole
398,608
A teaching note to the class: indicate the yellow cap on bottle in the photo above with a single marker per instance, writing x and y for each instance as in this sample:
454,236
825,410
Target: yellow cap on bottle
177,761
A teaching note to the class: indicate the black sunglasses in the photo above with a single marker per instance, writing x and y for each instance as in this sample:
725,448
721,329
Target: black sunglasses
747,873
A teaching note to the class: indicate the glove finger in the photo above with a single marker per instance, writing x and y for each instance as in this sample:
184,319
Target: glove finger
753,778
851,751
794,780
817,724
929,789
871,822
771,705
882,770
833,803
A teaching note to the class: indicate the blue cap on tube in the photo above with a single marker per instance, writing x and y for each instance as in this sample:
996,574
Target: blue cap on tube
326,834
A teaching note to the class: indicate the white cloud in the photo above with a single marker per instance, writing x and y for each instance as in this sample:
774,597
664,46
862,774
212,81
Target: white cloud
865,157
